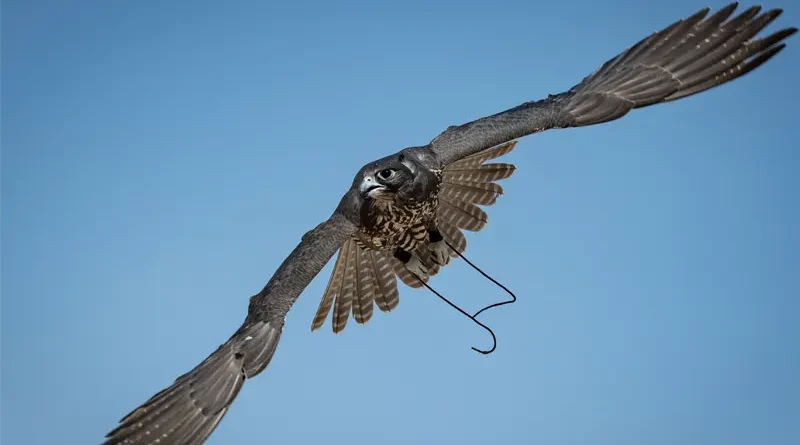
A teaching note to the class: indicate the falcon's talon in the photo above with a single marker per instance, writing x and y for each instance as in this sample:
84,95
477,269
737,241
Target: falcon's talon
440,253
402,255
417,267
435,236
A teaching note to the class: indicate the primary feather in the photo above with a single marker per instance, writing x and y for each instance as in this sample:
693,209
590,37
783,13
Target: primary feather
378,225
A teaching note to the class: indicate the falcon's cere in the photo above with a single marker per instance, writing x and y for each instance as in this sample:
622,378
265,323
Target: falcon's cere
399,211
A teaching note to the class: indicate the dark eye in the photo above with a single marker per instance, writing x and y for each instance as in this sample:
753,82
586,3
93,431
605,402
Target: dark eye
386,174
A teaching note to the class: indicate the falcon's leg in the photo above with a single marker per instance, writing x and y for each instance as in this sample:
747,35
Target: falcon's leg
412,263
440,253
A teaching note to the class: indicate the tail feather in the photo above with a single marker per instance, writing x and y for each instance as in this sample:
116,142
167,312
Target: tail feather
333,288
359,279
387,297
344,300
365,288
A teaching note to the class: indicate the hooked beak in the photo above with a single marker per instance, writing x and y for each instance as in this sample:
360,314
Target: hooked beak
381,193
372,189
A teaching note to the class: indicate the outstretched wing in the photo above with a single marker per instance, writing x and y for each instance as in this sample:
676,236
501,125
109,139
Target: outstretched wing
187,412
361,277
690,56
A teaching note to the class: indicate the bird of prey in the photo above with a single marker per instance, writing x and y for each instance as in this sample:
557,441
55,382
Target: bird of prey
399,209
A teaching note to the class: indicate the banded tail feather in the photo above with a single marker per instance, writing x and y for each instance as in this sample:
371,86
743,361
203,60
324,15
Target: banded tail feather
344,300
333,288
387,296
365,287
360,278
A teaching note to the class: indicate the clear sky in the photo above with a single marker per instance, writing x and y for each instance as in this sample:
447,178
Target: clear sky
160,159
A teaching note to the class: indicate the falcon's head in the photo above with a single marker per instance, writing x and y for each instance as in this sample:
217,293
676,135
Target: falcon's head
399,177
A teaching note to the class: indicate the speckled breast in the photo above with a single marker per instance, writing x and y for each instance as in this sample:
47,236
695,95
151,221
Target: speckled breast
390,226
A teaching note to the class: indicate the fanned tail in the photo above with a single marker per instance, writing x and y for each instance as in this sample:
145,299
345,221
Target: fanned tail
359,279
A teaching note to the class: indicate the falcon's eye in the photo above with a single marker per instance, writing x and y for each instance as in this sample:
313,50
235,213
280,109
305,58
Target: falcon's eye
386,174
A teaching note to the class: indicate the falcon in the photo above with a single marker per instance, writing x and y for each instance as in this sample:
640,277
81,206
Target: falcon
403,212
414,209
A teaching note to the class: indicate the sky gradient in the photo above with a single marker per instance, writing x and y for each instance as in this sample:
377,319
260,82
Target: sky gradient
160,160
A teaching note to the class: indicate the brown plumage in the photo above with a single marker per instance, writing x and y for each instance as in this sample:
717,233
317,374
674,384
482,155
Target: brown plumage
461,187
436,189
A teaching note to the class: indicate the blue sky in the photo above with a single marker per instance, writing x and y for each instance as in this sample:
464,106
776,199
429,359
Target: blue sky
160,159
